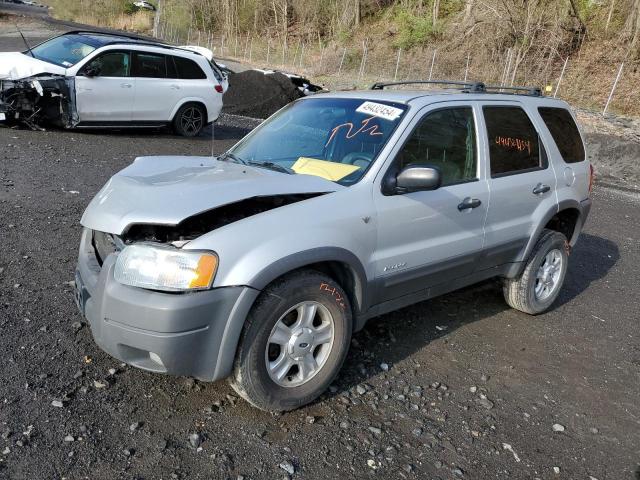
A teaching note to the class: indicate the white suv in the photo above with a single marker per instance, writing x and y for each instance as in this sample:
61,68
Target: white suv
107,80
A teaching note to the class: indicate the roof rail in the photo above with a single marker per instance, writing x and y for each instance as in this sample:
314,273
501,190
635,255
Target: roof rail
533,91
110,34
472,87
467,87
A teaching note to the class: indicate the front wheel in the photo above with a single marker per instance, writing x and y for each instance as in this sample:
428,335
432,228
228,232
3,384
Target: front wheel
190,120
540,283
294,342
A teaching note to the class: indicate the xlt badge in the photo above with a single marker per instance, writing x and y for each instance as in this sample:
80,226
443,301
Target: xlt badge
397,266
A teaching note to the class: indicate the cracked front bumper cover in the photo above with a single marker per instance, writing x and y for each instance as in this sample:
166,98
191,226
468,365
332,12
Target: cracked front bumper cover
38,100
192,334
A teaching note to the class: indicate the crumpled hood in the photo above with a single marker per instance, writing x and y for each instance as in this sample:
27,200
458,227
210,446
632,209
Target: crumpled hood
15,65
167,190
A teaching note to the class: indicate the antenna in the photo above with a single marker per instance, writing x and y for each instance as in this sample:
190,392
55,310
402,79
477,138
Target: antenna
25,42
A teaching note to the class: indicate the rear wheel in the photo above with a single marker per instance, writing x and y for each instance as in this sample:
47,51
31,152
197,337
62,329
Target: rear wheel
190,120
540,283
294,342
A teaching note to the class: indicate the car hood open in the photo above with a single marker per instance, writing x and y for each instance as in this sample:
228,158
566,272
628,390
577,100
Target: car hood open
16,65
167,190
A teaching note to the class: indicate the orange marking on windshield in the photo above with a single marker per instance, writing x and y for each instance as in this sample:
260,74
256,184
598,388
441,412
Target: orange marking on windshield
517,143
372,130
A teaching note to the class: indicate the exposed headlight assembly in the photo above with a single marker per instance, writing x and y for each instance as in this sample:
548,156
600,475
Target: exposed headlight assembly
167,269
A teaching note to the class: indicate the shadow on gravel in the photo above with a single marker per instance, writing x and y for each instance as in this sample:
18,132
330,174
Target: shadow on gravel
221,132
590,260
393,337
396,336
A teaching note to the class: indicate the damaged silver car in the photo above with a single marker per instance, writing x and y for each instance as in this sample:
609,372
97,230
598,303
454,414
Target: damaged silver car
258,265
97,80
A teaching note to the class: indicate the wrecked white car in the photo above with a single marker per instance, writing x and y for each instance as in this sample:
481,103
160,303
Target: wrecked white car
96,80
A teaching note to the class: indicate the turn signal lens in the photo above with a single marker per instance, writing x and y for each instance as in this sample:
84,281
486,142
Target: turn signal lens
204,272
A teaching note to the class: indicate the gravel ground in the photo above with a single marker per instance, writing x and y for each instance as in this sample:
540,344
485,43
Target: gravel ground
457,387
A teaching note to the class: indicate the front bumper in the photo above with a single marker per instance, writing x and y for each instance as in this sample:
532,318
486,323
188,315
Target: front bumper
193,334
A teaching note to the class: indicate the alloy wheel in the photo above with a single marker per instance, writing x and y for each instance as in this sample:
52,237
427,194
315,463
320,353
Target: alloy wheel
299,344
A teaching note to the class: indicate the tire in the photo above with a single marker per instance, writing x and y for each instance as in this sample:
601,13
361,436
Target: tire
190,119
528,293
260,359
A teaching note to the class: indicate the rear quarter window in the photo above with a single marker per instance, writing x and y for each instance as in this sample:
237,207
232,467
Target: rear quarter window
565,133
514,146
188,69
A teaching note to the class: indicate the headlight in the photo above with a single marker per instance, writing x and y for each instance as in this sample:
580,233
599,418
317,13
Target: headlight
167,269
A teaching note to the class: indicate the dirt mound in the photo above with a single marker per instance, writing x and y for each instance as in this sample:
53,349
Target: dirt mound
257,95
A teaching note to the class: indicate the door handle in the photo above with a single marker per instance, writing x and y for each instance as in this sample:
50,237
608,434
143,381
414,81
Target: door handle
541,188
175,87
468,203
126,85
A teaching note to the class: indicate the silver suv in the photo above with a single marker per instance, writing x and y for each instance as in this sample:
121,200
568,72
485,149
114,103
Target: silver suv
259,265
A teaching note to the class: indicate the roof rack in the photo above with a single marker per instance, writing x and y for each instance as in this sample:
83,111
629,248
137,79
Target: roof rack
533,91
467,87
474,87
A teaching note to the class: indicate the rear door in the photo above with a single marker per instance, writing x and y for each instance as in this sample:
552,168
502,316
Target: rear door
521,181
157,88
431,237
108,95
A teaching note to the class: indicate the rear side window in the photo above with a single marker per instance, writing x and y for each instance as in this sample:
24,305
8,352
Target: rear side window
564,132
149,65
514,146
188,69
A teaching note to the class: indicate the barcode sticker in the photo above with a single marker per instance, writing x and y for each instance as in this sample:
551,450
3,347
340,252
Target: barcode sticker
380,110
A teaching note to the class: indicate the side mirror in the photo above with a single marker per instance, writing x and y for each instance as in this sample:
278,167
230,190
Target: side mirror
92,71
416,178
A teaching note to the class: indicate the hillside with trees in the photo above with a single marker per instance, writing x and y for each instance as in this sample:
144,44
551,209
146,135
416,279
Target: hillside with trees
509,42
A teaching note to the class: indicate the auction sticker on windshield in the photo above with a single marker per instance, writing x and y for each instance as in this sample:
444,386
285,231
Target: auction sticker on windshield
2,117
380,110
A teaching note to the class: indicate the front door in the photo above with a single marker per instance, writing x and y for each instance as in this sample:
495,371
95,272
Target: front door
432,237
104,89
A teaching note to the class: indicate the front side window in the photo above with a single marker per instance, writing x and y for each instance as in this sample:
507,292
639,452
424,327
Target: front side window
64,51
111,64
149,65
514,146
334,138
564,132
445,139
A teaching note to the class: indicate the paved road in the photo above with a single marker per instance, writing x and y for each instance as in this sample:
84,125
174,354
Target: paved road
577,366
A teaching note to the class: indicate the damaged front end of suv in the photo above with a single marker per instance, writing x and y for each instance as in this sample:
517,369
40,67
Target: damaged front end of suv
45,99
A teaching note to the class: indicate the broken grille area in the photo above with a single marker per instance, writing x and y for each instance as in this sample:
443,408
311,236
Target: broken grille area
197,225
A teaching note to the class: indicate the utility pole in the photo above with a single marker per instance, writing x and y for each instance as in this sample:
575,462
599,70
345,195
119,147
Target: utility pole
156,18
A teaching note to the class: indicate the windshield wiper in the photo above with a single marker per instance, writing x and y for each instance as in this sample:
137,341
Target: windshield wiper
231,156
272,166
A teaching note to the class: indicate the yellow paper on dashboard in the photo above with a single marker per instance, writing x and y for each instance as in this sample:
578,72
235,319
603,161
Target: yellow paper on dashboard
321,168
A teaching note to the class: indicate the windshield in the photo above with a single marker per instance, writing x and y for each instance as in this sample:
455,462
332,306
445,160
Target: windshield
64,51
334,138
